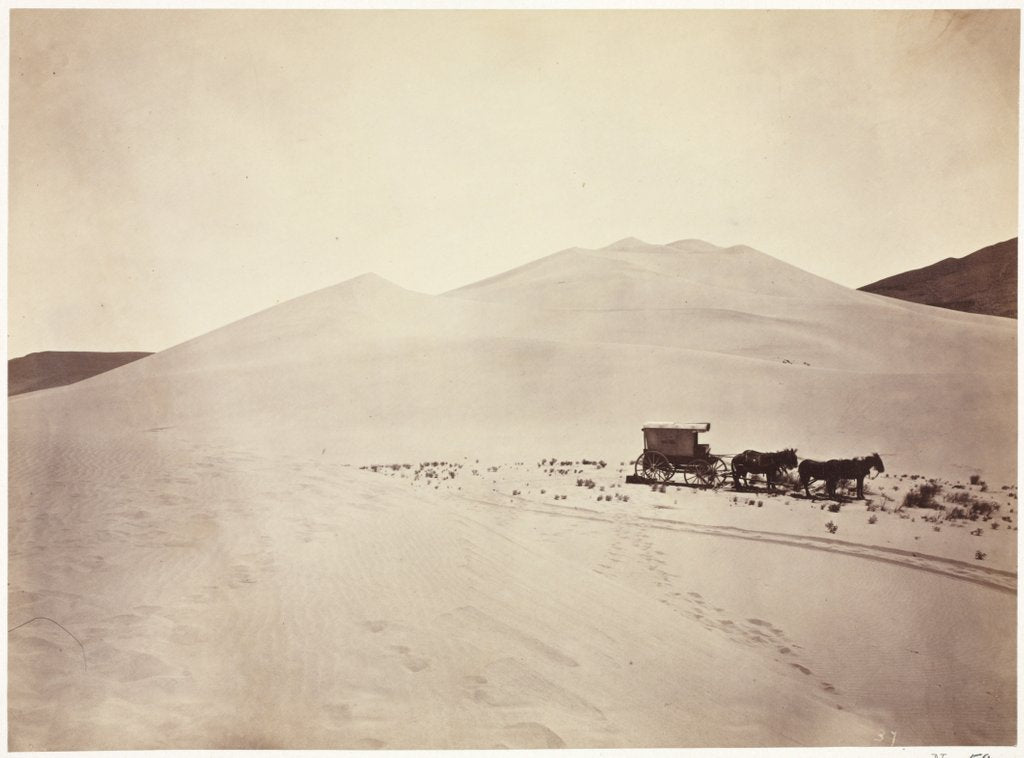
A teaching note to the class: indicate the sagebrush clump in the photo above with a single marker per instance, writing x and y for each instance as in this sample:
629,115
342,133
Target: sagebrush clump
923,496
967,506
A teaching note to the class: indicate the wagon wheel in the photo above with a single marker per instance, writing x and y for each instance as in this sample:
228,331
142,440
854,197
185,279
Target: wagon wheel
700,473
721,471
654,466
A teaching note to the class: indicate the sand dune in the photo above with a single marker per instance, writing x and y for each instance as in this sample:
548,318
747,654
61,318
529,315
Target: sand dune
196,560
579,348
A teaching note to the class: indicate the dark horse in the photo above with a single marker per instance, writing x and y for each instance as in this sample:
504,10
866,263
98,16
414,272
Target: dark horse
768,464
835,470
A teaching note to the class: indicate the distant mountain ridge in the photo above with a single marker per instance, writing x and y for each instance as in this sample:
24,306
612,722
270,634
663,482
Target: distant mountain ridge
54,368
983,282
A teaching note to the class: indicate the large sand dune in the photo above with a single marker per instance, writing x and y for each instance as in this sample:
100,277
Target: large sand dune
197,521
576,350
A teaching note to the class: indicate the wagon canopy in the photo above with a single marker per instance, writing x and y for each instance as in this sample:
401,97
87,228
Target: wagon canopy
676,441
701,426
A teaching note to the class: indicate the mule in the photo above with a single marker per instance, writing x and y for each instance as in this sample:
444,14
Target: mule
770,465
835,470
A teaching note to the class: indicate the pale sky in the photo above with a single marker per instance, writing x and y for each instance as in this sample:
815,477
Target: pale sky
173,171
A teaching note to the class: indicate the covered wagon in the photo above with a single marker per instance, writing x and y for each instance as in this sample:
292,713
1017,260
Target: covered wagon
671,448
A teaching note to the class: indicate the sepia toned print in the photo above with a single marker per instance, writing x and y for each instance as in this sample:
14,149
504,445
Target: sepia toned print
500,379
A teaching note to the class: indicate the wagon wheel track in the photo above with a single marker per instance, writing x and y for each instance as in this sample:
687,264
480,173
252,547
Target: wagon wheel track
997,579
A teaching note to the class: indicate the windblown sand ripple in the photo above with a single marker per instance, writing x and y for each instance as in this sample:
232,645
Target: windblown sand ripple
277,602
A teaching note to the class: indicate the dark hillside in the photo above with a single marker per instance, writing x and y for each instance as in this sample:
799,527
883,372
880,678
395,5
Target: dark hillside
39,371
982,282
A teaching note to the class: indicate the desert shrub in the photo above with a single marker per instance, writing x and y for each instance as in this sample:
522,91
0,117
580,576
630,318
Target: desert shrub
832,527
834,507
978,555
872,519
976,532
923,496
967,506
975,479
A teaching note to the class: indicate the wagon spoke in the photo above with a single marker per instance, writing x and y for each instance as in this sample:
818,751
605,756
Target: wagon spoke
660,467
702,474
640,467
721,471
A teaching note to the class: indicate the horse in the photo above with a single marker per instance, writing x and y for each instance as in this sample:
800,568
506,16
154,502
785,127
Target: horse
835,470
768,464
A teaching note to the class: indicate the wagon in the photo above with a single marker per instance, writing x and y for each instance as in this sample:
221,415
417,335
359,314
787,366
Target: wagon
674,448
